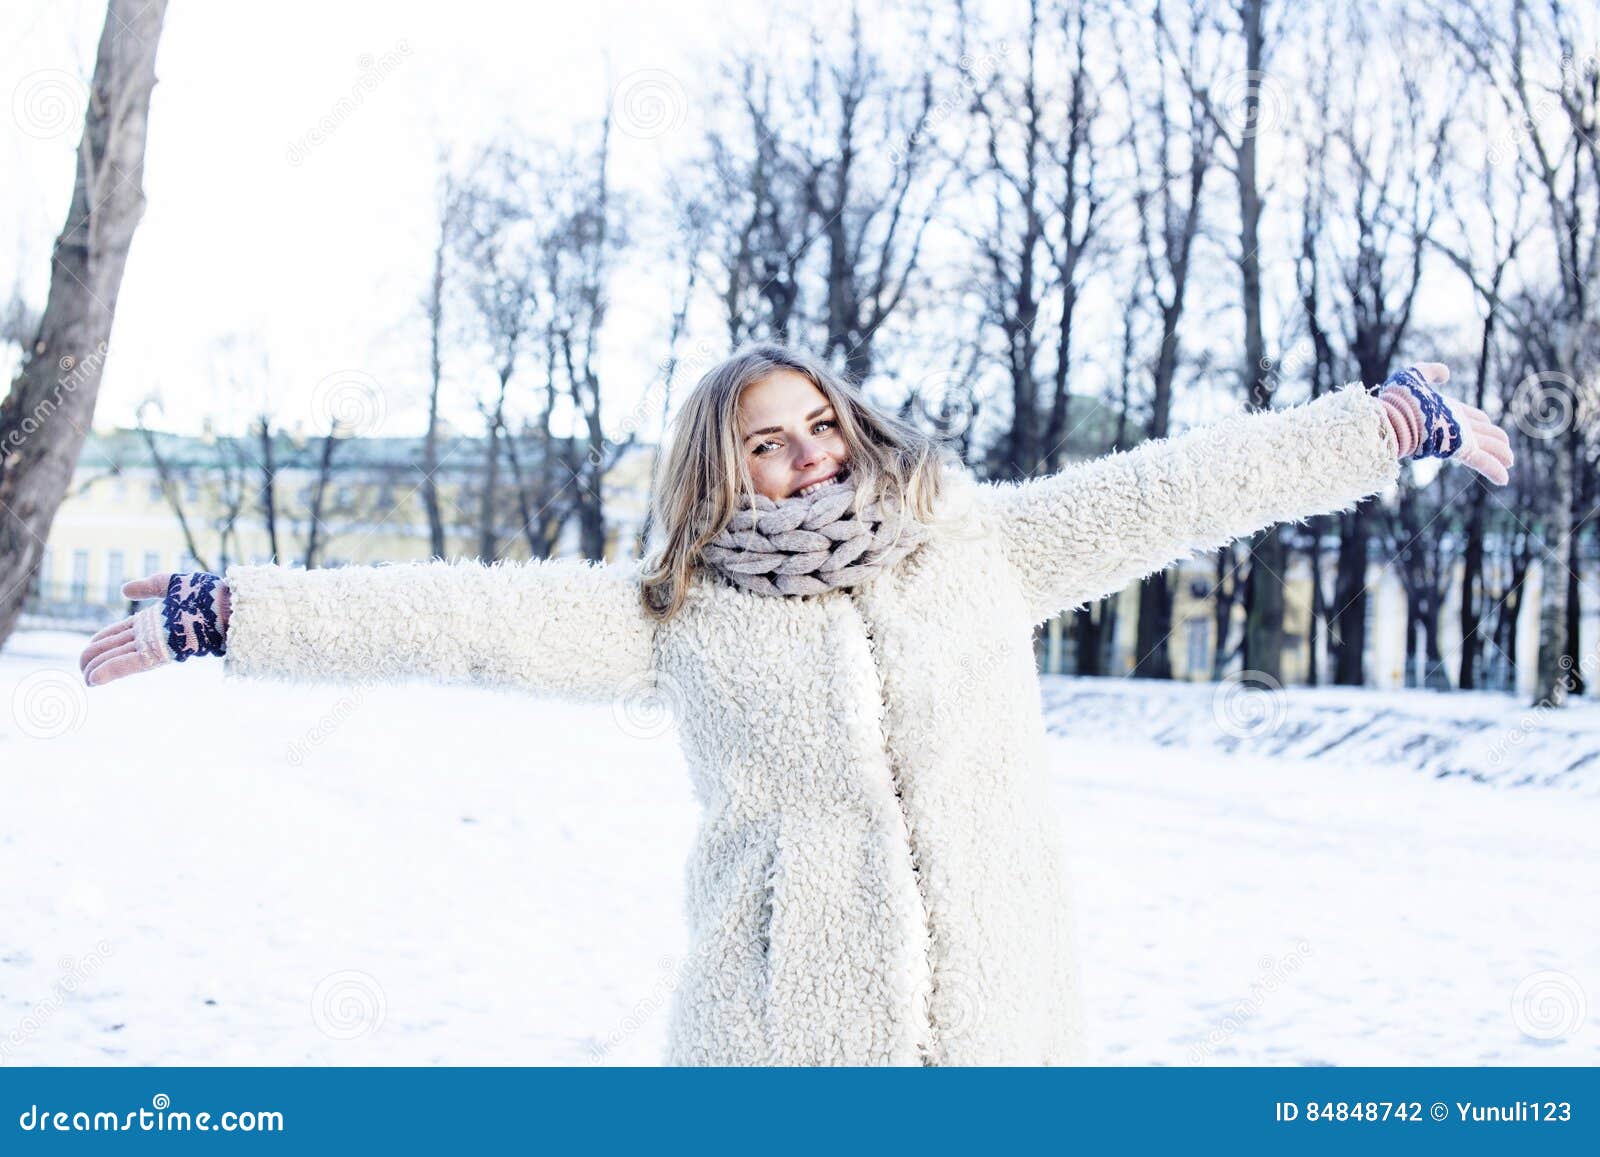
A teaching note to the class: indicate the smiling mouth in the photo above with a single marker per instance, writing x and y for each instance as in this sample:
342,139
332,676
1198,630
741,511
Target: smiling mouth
815,486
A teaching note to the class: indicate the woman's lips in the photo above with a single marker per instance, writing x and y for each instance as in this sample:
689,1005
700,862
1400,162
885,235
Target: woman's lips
834,477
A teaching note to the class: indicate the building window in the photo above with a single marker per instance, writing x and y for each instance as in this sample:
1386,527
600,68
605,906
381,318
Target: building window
152,562
114,577
80,576
155,490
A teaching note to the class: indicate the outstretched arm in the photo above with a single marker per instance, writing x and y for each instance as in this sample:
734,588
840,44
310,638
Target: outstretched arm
1089,530
564,627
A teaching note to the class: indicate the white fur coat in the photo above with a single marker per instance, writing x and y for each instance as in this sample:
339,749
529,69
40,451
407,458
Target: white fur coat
877,876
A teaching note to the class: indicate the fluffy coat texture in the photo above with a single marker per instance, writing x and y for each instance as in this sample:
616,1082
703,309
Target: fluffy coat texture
877,876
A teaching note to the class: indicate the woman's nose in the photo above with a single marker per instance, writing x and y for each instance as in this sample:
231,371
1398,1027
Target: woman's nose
807,453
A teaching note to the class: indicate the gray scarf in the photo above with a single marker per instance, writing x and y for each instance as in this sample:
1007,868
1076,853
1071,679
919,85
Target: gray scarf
806,545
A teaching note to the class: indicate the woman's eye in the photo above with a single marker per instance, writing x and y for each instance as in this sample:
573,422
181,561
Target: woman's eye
761,447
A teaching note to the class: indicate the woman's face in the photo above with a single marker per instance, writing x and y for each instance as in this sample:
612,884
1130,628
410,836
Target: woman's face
791,438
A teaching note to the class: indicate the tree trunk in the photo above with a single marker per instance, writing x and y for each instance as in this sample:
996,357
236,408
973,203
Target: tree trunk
50,408
1264,599
1349,622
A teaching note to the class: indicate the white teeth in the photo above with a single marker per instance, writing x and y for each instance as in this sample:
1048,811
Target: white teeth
816,486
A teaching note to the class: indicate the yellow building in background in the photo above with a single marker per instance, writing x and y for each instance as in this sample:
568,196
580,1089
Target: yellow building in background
118,523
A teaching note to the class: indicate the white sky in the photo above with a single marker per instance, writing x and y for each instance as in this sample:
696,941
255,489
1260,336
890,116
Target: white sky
322,264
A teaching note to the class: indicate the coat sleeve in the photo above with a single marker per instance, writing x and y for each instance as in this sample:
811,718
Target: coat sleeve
1091,529
569,628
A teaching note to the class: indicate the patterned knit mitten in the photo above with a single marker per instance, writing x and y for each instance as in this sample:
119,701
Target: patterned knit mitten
1428,424
190,621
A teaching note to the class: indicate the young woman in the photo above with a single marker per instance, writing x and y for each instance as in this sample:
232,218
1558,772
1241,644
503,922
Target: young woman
841,618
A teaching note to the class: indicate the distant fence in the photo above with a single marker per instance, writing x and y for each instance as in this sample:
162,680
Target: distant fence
67,606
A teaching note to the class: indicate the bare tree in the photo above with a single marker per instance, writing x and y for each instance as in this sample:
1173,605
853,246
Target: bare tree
169,476
449,207
50,407
501,244
1550,95
691,218
760,227
1170,184
873,215
1499,192
1362,266
1044,206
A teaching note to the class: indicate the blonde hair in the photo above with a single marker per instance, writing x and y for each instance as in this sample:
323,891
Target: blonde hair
704,477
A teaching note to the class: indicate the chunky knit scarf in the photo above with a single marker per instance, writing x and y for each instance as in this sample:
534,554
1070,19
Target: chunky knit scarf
806,545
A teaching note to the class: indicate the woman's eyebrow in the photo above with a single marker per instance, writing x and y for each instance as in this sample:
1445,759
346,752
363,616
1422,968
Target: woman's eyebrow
818,412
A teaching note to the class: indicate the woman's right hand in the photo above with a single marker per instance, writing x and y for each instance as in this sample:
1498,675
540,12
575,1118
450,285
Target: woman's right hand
190,620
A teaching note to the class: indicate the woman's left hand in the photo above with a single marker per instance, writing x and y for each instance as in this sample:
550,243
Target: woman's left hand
1429,424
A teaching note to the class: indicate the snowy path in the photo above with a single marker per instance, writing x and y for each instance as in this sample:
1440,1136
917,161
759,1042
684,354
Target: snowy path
194,872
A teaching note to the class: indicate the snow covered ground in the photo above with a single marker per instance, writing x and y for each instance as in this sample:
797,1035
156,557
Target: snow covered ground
194,872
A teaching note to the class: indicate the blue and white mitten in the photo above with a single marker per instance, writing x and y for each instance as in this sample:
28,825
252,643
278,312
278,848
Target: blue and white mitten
1428,424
